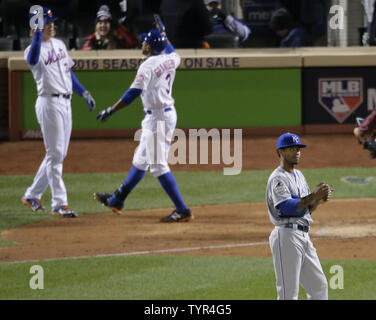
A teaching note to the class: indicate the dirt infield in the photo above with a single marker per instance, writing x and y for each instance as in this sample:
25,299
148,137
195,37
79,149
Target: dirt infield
343,229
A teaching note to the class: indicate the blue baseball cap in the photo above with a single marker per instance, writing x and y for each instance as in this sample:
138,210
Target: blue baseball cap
155,40
48,15
288,140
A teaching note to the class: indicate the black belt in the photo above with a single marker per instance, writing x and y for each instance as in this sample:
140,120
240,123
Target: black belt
65,96
151,112
299,227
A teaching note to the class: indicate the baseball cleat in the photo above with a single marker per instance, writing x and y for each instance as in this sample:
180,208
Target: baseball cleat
64,211
103,198
176,216
34,204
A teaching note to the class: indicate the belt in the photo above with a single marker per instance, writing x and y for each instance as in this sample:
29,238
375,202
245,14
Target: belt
151,112
299,227
65,96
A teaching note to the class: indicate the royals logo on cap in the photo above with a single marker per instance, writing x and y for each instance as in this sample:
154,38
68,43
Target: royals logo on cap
340,96
288,140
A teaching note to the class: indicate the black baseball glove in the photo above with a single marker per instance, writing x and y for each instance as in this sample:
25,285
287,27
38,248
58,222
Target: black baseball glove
370,145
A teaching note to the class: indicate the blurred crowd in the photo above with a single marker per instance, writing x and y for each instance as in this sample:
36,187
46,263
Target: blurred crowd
117,24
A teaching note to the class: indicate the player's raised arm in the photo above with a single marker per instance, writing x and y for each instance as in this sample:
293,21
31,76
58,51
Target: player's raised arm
34,52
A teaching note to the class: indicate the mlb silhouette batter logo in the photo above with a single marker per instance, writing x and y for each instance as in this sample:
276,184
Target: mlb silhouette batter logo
340,96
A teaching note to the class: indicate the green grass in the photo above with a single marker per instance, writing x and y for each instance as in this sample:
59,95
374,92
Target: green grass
170,277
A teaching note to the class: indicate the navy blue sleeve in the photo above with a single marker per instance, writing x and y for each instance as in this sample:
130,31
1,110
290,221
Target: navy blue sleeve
170,48
288,208
34,53
130,95
77,86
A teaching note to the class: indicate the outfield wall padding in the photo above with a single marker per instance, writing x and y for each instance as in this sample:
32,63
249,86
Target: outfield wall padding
230,88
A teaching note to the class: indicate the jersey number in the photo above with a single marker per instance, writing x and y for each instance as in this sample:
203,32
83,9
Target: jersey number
168,78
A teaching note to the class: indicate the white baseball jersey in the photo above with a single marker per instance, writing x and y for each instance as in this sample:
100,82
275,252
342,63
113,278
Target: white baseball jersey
155,77
52,72
282,186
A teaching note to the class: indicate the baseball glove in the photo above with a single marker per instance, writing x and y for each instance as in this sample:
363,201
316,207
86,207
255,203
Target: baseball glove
370,145
329,193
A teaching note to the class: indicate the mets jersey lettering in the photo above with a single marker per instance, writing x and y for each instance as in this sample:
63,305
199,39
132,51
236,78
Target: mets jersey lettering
52,56
155,78
52,72
165,66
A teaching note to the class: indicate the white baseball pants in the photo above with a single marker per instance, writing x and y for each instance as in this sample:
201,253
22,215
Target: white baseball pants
157,131
295,261
54,115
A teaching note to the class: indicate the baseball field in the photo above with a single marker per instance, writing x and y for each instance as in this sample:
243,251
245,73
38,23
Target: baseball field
223,254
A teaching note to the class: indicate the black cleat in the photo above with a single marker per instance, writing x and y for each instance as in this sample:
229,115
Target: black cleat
176,216
103,197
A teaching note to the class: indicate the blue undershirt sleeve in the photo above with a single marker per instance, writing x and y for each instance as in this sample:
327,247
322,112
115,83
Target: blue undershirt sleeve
130,95
34,53
288,208
169,49
76,85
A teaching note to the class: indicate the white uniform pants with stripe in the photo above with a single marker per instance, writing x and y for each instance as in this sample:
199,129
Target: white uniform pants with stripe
295,261
54,115
157,131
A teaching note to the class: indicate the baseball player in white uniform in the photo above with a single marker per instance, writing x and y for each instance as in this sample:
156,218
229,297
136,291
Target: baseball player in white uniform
290,205
153,82
51,66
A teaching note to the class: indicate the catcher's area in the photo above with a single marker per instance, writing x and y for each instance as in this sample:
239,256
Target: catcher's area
343,229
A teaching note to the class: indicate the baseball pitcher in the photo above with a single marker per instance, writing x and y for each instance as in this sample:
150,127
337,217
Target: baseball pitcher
290,205
51,66
153,82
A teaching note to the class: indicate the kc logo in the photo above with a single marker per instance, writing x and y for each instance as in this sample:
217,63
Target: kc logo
295,139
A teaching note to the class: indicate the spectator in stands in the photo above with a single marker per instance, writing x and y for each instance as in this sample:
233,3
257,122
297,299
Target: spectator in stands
225,23
291,34
368,37
186,21
106,36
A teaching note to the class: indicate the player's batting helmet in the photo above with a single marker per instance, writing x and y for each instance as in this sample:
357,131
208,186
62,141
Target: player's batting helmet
48,16
155,40
288,140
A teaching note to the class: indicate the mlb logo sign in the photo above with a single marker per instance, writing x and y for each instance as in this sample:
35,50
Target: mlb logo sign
340,96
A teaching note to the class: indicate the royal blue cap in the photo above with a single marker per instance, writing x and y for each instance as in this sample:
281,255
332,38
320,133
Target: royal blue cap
48,15
288,140
155,39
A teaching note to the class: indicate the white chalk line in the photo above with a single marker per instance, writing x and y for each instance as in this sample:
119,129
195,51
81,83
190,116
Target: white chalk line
145,252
